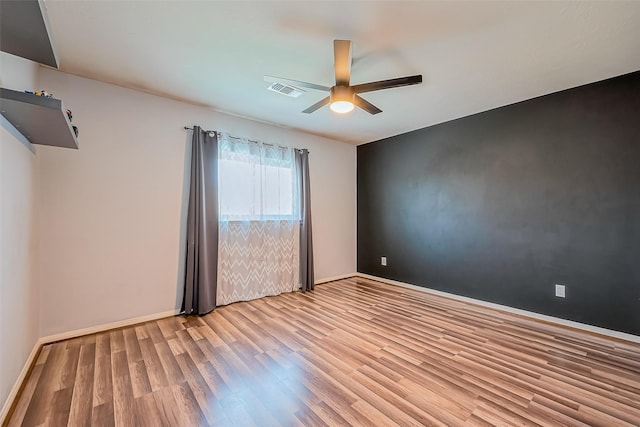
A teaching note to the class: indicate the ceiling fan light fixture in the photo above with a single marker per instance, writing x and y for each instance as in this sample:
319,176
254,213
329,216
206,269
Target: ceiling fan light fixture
342,99
341,107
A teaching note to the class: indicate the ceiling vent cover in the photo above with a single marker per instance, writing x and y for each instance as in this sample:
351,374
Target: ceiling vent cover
287,90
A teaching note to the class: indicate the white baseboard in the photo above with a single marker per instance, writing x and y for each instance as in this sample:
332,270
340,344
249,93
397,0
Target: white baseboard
16,386
67,335
334,278
127,322
106,326
556,320
122,323
92,330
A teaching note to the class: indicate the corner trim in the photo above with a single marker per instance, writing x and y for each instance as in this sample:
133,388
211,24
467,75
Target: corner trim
530,314
107,326
13,393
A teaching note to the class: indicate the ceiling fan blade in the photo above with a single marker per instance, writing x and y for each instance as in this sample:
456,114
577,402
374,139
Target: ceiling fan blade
388,84
297,83
317,105
342,61
366,105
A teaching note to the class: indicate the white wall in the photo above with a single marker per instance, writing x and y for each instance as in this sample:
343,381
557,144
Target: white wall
112,212
19,296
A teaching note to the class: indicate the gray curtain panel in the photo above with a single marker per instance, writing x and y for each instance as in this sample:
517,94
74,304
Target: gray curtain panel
306,241
202,226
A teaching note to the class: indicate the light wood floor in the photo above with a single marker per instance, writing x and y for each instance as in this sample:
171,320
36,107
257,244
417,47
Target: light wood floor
353,352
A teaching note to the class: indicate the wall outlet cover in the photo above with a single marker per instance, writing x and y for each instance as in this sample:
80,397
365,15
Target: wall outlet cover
560,291
383,260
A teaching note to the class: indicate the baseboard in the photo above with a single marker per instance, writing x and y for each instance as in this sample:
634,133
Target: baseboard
92,330
334,278
13,393
106,326
6,407
537,316
128,322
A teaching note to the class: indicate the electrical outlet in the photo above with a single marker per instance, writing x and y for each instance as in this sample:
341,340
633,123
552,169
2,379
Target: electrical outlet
560,291
383,261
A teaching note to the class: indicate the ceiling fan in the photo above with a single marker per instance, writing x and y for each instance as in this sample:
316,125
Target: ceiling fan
343,96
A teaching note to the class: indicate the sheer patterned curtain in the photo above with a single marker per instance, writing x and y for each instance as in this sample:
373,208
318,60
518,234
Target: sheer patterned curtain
259,234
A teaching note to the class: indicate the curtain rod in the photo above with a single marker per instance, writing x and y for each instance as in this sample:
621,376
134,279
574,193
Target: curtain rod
208,131
250,140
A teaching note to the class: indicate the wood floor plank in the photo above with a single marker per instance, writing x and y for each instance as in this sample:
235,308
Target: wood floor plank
352,352
40,401
102,384
123,400
60,407
44,353
27,393
178,407
131,345
116,339
102,415
237,412
82,399
206,400
155,372
147,412
139,378
169,363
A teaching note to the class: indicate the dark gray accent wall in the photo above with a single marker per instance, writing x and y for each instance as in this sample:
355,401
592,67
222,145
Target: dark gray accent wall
502,205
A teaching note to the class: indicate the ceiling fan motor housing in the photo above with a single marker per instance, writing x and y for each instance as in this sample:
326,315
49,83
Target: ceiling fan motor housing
342,93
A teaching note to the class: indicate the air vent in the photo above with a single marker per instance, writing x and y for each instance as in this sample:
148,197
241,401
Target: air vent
287,90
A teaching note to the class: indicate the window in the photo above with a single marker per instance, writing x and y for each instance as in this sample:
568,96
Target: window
256,181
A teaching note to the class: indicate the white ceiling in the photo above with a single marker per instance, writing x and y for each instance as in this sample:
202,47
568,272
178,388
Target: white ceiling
473,56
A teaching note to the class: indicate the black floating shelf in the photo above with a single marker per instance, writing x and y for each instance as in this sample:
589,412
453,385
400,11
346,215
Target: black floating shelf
41,120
